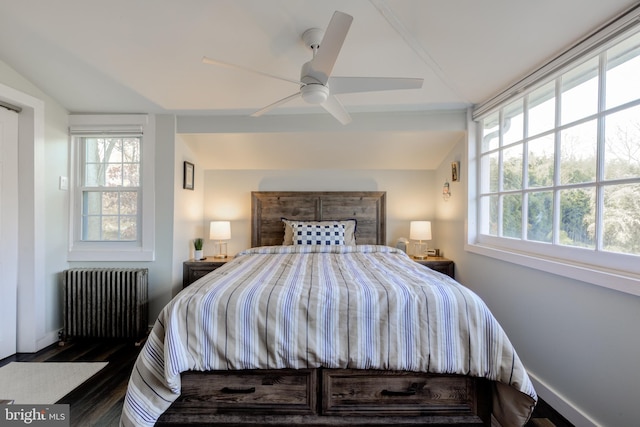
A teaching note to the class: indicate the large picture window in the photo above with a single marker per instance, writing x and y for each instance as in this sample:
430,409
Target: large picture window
558,166
112,214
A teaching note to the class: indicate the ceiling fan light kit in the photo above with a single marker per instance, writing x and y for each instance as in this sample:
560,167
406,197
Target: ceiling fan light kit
314,93
315,75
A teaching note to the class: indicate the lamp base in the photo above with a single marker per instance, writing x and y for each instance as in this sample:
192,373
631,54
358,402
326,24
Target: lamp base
222,250
420,250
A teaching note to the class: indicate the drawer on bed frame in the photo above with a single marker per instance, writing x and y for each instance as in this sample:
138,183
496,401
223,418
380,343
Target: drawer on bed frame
389,393
250,391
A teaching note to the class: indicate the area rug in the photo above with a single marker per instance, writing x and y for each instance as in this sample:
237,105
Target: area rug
43,383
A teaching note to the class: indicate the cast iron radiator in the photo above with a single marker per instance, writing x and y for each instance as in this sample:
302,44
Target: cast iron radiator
105,302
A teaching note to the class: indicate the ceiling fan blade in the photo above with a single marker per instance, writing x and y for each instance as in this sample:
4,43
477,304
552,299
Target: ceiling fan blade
211,61
275,104
336,109
323,62
371,84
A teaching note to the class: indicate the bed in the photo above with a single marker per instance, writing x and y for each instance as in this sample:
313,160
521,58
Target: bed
316,331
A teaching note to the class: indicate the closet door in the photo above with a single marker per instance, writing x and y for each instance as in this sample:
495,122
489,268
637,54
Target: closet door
8,231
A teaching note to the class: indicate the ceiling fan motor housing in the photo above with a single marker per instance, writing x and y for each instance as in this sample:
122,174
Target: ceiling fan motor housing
312,38
314,93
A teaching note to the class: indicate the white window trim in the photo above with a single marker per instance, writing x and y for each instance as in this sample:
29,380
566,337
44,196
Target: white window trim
114,251
613,271
619,281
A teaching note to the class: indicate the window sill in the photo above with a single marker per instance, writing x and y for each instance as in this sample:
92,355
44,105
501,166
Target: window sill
103,255
617,280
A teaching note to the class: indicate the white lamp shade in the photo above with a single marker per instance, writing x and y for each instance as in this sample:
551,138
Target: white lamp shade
220,230
420,230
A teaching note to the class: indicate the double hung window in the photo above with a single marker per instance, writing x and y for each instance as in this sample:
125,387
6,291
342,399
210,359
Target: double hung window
112,189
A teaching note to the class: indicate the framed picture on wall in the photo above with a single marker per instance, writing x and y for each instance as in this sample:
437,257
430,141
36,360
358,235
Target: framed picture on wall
455,171
189,170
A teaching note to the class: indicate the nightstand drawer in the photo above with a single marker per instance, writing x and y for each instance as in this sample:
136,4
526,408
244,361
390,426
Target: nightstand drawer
196,273
439,264
194,270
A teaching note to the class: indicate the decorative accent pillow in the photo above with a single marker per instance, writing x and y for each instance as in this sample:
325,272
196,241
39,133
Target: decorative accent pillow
349,229
318,234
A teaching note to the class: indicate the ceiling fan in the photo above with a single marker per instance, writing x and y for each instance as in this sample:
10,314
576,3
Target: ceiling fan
317,86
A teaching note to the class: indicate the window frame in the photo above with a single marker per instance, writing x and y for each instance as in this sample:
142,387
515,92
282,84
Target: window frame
611,270
143,248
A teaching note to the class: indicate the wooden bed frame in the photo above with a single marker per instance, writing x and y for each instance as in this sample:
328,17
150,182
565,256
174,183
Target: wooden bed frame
268,208
326,397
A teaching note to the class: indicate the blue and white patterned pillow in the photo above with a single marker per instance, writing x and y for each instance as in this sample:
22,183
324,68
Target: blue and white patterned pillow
349,229
318,234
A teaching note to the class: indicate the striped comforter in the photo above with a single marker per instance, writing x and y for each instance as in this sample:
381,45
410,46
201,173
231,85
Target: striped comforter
358,307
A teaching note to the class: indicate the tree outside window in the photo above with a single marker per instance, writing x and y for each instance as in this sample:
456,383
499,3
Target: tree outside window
572,178
110,191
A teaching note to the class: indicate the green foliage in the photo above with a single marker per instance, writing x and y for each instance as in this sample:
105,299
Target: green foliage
512,216
577,223
540,221
577,217
197,243
622,218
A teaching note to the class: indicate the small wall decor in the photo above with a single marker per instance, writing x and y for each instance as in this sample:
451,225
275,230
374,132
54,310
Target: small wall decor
189,170
455,171
446,192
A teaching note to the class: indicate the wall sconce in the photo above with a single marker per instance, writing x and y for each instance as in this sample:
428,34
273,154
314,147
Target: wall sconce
220,231
420,230
446,192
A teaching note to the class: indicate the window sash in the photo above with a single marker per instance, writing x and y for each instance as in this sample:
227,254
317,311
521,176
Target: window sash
94,216
94,225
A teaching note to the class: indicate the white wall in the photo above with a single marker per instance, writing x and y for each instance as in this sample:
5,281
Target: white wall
41,291
578,341
188,209
228,195
161,279
57,212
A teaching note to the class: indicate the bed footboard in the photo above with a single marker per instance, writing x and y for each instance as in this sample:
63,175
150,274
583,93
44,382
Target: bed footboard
329,397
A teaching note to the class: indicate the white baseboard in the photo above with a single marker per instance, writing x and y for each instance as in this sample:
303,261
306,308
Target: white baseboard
563,406
47,340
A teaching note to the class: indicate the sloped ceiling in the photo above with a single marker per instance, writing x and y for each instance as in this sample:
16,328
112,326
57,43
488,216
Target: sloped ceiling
145,55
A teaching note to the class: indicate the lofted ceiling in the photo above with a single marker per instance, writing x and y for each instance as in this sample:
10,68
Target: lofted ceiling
145,55
128,56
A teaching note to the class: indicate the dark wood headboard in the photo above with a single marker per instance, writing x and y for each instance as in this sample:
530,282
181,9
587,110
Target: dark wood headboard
268,208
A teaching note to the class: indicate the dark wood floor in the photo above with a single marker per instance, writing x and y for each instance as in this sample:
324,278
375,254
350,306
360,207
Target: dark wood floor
98,402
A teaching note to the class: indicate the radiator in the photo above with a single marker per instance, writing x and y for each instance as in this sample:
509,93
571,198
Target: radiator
105,302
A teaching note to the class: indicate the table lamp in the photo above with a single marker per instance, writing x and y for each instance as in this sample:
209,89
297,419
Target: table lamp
420,231
220,231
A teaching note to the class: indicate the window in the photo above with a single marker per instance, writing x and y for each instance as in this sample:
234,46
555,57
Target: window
112,181
109,188
558,165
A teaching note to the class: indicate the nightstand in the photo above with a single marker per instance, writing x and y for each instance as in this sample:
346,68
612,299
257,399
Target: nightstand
439,264
192,270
